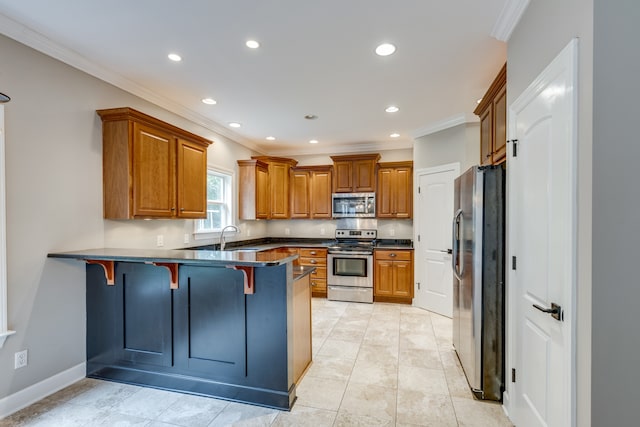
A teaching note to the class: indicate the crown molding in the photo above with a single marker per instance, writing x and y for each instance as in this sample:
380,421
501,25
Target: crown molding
43,44
508,19
343,148
447,123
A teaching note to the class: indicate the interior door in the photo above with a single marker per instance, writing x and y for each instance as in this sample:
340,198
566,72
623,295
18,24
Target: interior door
433,214
542,200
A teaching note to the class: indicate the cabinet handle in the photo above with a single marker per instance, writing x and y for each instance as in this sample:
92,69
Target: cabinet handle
313,261
313,252
173,209
313,283
392,255
487,156
181,209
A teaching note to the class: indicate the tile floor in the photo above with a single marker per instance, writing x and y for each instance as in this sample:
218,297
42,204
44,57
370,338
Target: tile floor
374,365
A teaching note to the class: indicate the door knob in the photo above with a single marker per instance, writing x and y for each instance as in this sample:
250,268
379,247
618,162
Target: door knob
555,311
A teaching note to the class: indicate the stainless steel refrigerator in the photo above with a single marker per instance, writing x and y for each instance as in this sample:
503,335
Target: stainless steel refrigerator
478,282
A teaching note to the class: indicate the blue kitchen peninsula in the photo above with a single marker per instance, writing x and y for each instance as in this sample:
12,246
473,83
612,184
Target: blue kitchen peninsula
210,323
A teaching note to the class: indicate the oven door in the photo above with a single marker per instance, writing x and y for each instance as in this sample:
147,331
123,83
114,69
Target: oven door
344,269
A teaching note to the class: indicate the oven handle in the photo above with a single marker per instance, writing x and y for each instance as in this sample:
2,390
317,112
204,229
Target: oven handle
349,253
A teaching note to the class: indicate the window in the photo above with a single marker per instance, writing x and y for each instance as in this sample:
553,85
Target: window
219,203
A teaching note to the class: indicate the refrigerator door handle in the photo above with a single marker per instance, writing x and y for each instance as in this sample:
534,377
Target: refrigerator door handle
457,219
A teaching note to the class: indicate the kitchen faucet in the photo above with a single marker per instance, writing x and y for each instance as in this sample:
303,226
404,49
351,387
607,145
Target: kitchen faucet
222,242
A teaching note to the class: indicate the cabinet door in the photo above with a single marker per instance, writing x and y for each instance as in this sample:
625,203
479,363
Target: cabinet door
263,205
343,180
320,203
403,279
486,136
364,176
500,126
403,192
384,196
279,182
300,183
192,180
383,278
153,172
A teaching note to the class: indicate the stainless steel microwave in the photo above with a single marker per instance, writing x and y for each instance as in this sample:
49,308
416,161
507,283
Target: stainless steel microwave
353,205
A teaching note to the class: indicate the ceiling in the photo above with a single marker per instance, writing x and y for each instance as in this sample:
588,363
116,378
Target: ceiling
314,58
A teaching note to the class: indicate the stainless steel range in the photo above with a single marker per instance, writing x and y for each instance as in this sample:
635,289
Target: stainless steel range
350,266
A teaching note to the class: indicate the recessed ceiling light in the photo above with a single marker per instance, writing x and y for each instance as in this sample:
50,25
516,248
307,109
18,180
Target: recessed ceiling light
392,109
234,124
394,135
174,57
270,138
310,117
313,141
209,101
385,49
252,44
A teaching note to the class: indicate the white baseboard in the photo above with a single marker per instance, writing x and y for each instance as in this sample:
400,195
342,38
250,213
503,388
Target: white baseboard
23,398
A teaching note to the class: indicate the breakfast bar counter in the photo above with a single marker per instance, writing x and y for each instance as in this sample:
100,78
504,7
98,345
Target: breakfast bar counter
210,323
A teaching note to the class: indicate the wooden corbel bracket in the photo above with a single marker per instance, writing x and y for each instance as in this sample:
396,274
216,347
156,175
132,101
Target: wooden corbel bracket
173,272
249,289
109,269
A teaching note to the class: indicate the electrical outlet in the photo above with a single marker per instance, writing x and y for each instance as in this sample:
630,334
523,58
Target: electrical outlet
287,231
186,237
392,232
159,240
21,359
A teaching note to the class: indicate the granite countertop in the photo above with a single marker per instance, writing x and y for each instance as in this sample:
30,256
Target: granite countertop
250,258
398,244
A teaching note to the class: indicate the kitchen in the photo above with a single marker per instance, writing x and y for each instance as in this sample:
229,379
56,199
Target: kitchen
45,161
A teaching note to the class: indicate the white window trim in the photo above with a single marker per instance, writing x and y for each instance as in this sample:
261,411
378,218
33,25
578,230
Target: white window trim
204,235
4,329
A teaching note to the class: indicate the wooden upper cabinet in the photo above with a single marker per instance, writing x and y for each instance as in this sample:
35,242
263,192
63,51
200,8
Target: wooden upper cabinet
300,193
311,192
253,199
355,173
279,169
492,111
192,166
394,198
151,169
320,194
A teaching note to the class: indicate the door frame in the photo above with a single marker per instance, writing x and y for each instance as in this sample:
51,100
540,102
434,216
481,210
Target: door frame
416,212
567,58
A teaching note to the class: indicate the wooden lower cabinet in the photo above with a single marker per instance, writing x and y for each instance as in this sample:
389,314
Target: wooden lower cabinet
315,257
393,276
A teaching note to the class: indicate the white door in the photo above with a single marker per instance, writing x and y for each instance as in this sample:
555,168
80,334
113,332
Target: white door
542,211
433,215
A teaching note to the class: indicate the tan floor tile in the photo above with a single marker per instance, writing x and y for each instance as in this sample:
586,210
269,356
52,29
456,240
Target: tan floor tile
475,413
321,393
375,374
239,414
386,355
371,401
346,419
193,411
339,348
424,380
303,416
331,367
147,403
425,409
420,358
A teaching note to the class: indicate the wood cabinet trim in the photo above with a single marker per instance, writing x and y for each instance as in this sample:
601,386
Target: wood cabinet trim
127,113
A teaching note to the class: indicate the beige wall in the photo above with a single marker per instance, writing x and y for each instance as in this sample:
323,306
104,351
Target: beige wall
457,144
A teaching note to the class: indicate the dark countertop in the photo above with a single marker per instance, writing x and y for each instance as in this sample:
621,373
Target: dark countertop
394,244
250,258
267,243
